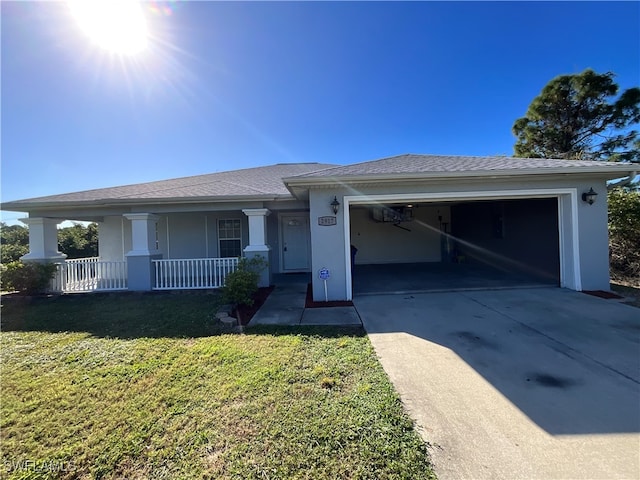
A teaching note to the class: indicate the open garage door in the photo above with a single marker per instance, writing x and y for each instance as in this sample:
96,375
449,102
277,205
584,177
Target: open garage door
518,237
417,245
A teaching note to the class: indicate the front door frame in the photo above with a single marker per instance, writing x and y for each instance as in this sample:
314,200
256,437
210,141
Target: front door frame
567,222
281,218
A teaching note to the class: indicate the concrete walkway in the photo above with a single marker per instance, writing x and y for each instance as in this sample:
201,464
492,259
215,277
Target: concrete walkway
285,306
515,384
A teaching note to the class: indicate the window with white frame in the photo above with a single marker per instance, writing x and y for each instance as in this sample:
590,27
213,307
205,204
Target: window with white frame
230,237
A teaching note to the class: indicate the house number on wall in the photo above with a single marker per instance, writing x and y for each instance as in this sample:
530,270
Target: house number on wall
326,221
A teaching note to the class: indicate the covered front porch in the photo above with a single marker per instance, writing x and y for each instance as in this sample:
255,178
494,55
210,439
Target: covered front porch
148,251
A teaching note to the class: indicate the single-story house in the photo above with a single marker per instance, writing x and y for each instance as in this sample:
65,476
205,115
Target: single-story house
545,217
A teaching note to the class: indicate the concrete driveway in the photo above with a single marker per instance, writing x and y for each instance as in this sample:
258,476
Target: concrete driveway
531,383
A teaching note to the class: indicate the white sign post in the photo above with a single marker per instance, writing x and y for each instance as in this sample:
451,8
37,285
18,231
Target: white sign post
324,274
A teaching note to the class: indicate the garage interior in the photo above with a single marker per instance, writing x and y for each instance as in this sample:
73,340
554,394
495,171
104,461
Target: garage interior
455,245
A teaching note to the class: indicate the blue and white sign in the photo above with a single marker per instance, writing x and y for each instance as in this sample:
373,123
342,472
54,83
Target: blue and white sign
324,274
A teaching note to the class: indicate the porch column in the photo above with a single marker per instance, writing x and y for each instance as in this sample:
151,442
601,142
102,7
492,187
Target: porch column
43,240
258,240
140,274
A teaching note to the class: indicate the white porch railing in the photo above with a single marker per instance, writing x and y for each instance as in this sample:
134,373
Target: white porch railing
192,273
90,275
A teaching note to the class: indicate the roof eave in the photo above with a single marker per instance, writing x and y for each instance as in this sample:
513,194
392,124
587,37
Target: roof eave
20,206
609,172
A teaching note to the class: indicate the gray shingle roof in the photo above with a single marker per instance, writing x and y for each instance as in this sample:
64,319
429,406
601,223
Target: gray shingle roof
425,164
269,181
250,182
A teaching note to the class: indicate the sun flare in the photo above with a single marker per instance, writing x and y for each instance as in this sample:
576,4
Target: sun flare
118,26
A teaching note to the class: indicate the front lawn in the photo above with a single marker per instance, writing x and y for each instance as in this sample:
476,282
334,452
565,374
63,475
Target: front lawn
629,291
149,386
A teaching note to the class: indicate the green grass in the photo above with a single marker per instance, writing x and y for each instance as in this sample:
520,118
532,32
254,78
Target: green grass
149,386
632,293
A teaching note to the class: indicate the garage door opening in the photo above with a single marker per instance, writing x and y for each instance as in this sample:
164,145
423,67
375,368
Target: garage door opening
449,245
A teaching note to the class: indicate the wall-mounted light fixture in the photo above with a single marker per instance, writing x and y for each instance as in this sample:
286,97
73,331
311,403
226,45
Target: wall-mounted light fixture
335,205
589,196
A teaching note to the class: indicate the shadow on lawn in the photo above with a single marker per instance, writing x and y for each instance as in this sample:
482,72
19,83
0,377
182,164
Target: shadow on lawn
128,315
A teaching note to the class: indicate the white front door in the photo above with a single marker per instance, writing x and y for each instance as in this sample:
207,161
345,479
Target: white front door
295,242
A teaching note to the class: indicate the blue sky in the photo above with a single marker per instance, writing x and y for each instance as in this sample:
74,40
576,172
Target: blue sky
235,85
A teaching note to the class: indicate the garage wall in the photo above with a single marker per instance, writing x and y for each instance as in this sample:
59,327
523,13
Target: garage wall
590,222
384,243
518,235
594,238
328,245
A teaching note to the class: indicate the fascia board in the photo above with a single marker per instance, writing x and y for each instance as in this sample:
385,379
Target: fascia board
19,206
609,173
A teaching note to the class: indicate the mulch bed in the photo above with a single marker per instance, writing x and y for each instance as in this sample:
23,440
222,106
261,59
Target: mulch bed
309,303
602,294
247,312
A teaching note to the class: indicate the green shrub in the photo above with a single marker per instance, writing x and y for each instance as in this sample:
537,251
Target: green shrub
29,278
3,270
240,285
624,234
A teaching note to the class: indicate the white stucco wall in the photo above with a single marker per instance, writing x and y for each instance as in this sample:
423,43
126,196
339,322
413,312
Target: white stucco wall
195,235
180,235
327,245
589,225
594,237
114,238
273,242
384,243
184,235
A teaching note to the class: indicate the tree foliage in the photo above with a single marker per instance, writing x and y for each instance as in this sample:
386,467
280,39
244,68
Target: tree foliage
578,117
14,242
624,234
79,241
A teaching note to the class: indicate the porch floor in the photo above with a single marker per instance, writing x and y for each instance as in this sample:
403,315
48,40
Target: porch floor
434,277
